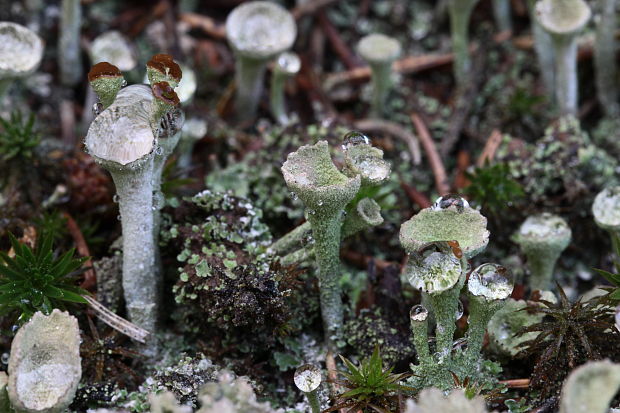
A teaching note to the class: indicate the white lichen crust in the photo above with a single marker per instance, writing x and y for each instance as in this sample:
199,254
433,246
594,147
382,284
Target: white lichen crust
606,209
590,388
563,16
260,29
21,50
45,364
114,48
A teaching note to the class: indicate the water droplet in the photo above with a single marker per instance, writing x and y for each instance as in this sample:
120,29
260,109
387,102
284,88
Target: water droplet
354,138
116,198
418,313
97,108
123,83
118,217
451,200
4,358
307,378
14,328
491,281
311,212
320,202
294,196
159,150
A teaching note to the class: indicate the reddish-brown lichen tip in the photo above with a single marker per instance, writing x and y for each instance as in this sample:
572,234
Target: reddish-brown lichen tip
164,64
103,69
163,91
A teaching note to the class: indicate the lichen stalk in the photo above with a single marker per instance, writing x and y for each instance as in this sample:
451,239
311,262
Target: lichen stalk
136,196
541,268
313,401
605,58
543,45
502,15
420,342
292,239
381,79
249,85
278,107
460,14
566,89
69,42
480,312
326,234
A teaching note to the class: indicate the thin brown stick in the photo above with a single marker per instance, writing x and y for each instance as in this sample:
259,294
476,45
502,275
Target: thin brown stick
339,46
416,196
394,129
490,148
407,65
90,278
310,7
441,178
462,163
332,373
204,23
516,383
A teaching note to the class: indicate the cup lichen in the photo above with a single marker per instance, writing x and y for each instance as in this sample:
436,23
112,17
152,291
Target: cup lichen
310,173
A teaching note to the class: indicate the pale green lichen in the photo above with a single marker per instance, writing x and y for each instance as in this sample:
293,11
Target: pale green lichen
606,211
467,227
325,191
257,31
506,322
590,388
489,286
563,19
542,239
460,14
379,51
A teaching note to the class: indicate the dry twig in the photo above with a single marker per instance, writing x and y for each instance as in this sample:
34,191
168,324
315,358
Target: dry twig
90,278
490,148
441,178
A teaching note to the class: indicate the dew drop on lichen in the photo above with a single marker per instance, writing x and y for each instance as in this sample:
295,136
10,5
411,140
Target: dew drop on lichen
5,358
451,200
294,196
353,139
418,313
97,108
115,198
307,378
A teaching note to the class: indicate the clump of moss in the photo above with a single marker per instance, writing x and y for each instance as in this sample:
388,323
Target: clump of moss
372,328
227,286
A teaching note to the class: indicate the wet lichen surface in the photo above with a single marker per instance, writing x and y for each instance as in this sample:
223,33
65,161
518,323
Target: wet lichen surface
258,206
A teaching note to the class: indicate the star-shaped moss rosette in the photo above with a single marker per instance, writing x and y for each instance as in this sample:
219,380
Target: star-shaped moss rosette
310,173
542,239
488,287
449,219
361,158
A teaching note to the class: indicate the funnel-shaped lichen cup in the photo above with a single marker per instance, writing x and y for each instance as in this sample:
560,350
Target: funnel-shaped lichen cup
20,54
257,31
310,173
542,239
488,287
606,211
563,20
